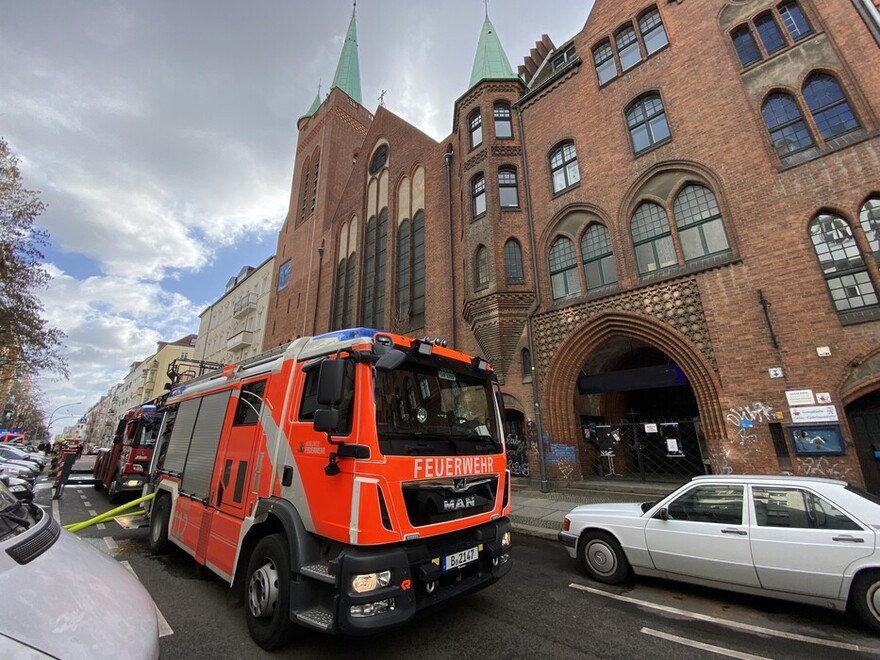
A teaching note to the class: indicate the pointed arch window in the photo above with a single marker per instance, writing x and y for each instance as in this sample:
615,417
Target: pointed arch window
344,293
478,195
475,122
503,125
869,218
481,268
564,171
564,279
508,192
304,191
315,183
599,267
769,32
828,105
513,263
794,21
842,265
699,224
652,238
375,249
744,43
411,270
646,119
526,361
788,131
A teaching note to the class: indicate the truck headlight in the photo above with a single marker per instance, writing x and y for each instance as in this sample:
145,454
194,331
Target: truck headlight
366,582
505,540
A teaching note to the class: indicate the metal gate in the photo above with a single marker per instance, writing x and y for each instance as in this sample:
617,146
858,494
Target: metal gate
651,451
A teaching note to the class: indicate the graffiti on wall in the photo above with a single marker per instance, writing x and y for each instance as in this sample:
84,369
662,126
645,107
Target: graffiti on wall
744,418
821,466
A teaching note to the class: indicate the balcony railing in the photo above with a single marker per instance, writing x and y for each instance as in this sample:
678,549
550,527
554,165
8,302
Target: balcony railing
240,340
244,306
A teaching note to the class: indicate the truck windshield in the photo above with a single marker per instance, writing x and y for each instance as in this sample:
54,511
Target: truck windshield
147,430
429,409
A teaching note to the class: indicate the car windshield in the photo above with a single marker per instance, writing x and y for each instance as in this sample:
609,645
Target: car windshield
436,408
15,516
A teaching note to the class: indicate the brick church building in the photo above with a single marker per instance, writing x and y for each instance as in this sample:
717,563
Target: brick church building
663,233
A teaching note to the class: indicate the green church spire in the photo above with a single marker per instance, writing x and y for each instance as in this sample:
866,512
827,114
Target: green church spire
491,61
348,71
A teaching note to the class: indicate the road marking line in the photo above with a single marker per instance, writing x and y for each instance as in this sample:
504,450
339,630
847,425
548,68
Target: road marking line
82,496
92,513
101,526
164,628
110,542
720,650
87,504
724,622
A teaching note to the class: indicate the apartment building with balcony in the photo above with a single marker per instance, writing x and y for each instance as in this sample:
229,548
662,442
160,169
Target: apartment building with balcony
231,329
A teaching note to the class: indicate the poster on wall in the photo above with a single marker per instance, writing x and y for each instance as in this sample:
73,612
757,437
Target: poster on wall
673,442
817,440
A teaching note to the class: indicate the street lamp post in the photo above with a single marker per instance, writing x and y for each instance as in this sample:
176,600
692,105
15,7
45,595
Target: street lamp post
52,416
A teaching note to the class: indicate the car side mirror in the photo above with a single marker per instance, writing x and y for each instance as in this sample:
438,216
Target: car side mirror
663,514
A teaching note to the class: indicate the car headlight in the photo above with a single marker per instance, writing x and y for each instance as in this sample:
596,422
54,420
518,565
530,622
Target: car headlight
17,489
366,582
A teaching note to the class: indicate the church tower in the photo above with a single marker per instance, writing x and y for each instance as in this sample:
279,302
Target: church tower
330,136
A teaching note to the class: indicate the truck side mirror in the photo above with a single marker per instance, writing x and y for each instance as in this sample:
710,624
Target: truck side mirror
331,381
326,420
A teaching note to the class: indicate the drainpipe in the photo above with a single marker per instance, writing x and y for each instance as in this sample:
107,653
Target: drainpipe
447,158
542,459
318,288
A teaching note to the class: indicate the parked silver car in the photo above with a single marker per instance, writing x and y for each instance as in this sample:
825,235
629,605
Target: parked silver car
795,538
64,598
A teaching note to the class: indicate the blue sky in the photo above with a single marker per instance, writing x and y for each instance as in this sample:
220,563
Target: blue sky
162,134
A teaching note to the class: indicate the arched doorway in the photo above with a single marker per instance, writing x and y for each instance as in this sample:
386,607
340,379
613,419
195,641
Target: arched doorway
863,416
608,346
639,414
516,435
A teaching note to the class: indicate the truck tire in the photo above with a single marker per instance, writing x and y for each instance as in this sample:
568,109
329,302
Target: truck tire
159,521
113,493
267,593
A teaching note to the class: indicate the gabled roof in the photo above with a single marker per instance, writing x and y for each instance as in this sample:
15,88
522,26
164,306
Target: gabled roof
348,71
490,62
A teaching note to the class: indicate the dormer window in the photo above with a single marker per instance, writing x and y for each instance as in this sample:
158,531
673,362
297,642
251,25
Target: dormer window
563,58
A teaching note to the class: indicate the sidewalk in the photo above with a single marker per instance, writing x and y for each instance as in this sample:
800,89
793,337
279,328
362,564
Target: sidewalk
540,514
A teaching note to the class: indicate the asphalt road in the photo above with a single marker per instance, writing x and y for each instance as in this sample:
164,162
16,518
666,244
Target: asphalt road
546,607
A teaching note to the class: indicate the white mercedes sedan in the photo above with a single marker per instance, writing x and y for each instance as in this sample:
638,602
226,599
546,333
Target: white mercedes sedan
795,538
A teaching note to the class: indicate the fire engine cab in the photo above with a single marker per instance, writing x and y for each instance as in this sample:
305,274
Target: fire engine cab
346,484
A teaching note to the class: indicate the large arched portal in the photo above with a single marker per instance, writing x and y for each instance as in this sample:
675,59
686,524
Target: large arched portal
629,396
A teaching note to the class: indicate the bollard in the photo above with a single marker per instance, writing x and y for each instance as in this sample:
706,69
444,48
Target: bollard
75,527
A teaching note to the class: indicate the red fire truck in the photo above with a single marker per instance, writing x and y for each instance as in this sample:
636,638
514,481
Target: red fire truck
343,485
123,467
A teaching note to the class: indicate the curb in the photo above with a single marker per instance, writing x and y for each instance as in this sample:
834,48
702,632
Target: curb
538,532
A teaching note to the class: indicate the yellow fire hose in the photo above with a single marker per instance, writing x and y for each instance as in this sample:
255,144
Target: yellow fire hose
75,527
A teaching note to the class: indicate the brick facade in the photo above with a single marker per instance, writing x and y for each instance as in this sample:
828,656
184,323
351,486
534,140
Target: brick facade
725,317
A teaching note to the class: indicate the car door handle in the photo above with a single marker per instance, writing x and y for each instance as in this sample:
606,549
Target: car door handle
851,539
740,532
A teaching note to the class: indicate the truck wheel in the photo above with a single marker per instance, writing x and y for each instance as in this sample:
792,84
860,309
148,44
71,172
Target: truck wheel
159,518
113,493
865,599
268,593
603,558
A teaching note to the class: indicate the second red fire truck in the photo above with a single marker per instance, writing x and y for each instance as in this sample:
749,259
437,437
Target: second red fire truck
344,485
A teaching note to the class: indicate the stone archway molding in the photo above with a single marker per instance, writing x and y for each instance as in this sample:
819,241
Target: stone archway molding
568,359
